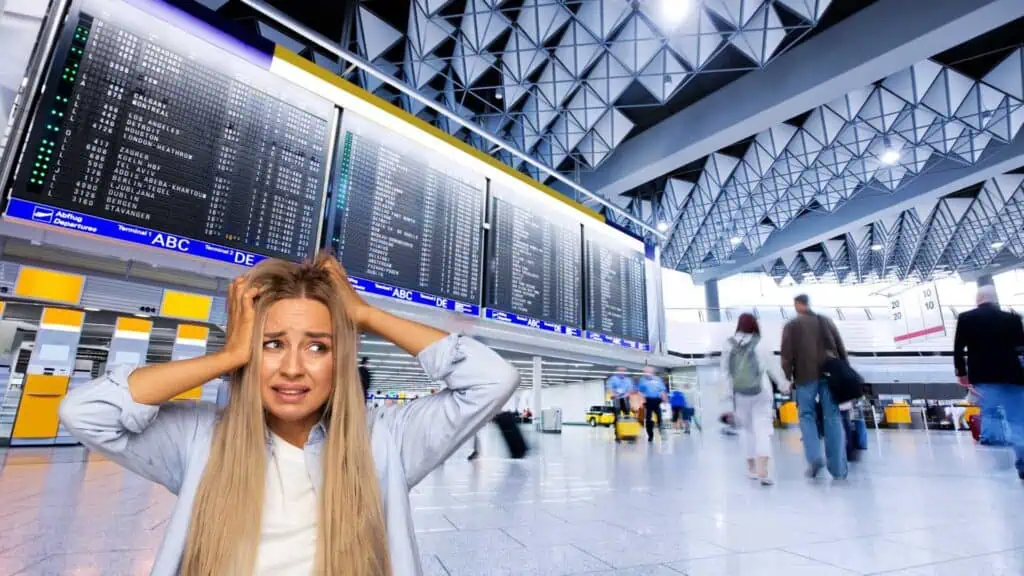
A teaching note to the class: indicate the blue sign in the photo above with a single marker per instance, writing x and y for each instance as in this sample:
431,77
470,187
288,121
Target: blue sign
616,341
102,227
414,296
517,320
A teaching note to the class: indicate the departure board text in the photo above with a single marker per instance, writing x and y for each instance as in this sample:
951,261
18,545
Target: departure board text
405,219
534,261
150,127
616,288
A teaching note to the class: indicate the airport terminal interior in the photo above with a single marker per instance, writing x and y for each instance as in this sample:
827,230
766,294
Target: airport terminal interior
747,277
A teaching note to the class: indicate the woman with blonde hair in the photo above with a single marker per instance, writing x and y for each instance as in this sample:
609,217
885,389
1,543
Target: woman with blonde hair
295,476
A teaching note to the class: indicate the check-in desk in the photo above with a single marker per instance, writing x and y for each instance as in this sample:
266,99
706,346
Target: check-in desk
50,370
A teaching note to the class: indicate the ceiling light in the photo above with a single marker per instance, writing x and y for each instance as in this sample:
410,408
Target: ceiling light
876,247
891,156
662,226
674,12
998,245
735,240
498,95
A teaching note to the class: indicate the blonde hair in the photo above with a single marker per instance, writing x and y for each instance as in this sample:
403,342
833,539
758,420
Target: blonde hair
224,532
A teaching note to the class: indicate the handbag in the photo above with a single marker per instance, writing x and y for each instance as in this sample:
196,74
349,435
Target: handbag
844,382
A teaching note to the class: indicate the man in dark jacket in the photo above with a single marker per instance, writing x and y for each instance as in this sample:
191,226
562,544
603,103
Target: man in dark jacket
807,341
994,341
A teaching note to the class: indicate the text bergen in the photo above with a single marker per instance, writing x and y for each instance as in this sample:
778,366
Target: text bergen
170,242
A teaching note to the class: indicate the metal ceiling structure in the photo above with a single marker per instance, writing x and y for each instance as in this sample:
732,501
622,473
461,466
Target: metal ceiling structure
817,140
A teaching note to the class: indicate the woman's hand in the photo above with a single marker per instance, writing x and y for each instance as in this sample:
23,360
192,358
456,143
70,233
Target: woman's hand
356,308
241,317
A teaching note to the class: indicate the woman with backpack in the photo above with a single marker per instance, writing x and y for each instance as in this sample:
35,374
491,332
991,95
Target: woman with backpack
749,368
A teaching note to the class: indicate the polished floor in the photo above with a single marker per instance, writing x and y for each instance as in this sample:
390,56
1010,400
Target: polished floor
918,504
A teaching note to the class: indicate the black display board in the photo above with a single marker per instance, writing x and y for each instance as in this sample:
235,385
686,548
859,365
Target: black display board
146,124
407,222
616,287
534,262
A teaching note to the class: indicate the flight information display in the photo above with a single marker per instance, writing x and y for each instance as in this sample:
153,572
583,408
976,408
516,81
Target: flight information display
407,222
148,133
616,290
535,258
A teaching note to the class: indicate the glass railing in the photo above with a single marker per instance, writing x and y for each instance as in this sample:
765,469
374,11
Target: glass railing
784,313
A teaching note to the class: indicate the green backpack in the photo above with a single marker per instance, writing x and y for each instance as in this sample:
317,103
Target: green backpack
744,368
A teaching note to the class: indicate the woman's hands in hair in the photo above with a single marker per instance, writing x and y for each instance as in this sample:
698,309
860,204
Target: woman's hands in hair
241,317
356,308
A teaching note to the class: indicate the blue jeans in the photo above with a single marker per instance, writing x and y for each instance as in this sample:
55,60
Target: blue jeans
1010,398
993,419
806,396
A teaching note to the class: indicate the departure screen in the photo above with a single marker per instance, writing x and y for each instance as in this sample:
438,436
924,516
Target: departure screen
146,125
616,288
534,260
406,217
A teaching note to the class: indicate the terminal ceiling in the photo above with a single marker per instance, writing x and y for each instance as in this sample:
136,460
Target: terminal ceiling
817,140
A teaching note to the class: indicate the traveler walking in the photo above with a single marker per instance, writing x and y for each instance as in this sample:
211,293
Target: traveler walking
681,412
653,388
991,366
620,386
747,363
807,341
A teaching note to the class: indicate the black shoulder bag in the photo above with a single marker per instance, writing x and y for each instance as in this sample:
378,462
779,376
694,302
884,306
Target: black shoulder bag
844,382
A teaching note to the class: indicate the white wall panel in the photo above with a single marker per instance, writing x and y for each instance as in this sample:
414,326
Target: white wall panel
574,399
858,335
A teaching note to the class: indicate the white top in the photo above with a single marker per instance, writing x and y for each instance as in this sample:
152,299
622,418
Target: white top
288,534
768,362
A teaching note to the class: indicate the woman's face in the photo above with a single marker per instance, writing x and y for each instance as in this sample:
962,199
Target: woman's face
297,370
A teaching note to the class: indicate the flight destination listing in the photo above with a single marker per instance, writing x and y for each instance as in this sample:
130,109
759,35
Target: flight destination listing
135,131
405,220
616,289
534,262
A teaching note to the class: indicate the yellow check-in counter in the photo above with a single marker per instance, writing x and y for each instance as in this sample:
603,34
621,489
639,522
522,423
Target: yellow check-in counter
37,414
897,413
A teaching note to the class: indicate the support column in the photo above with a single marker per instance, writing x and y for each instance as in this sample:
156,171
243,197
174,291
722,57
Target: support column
48,377
656,322
713,309
538,377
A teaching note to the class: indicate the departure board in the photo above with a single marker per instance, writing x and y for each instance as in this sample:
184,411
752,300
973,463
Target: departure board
534,263
407,222
616,291
146,132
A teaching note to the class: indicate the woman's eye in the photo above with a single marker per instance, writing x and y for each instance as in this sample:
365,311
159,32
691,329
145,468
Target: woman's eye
271,345
318,347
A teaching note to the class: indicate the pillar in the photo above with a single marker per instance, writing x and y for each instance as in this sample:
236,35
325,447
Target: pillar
714,311
48,377
538,377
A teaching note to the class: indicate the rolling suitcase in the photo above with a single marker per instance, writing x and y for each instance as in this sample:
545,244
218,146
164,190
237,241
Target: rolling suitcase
627,428
513,436
860,433
974,423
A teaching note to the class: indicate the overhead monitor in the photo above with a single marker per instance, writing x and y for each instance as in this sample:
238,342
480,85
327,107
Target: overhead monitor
158,129
406,222
616,288
535,262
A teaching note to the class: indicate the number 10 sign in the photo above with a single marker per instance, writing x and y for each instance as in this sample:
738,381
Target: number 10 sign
917,313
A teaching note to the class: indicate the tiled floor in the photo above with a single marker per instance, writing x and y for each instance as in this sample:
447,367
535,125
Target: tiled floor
917,505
